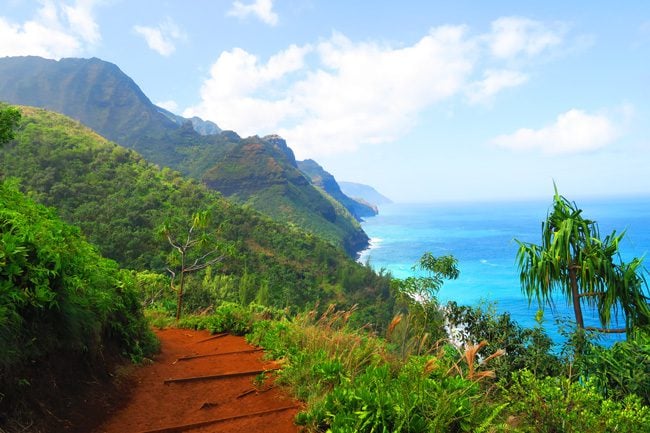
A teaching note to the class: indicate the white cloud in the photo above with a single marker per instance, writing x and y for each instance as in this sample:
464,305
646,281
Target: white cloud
573,132
168,105
262,9
338,95
493,82
161,38
57,30
235,77
81,20
512,36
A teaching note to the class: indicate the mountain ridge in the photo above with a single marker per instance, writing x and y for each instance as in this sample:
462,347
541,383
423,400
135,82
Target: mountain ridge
364,192
118,200
324,180
101,96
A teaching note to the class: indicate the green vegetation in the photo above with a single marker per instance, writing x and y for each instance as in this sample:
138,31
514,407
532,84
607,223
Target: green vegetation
184,256
119,201
9,118
58,299
262,175
387,358
576,262
354,381
325,181
259,172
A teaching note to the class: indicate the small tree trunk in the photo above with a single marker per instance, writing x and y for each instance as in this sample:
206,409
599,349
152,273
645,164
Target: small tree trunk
179,297
577,307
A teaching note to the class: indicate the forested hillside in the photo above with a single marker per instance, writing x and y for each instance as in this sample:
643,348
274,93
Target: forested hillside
263,174
102,97
120,201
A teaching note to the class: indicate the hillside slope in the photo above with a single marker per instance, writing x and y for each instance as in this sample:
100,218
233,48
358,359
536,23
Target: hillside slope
102,97
327,183
119,200
263,174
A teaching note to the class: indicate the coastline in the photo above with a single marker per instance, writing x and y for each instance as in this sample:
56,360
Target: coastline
373,244
481,236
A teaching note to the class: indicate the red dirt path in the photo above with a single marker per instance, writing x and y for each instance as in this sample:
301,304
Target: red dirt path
152,404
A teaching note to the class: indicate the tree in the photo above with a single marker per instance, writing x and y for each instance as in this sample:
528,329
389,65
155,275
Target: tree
184,246
574,261
425,288
9,118
419,297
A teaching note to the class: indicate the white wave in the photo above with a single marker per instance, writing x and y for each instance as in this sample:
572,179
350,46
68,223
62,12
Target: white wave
373,244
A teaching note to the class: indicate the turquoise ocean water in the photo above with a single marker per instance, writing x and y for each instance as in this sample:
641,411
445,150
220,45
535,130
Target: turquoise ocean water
481,236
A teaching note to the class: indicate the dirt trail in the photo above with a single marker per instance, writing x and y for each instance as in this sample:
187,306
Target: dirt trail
158,404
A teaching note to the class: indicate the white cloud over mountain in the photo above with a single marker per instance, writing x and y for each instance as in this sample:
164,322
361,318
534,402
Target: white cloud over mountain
572,132
337,95
57,30
161,38
169,105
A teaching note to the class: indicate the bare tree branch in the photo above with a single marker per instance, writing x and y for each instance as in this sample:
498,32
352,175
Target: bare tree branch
204,265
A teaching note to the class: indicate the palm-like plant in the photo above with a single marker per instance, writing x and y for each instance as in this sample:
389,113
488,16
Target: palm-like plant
574,261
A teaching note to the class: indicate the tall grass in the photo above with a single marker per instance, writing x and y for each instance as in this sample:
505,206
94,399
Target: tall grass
351,381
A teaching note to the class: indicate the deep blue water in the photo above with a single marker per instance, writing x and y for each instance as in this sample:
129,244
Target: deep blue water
481,236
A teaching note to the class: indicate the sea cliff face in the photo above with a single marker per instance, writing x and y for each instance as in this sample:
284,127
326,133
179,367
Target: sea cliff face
324,180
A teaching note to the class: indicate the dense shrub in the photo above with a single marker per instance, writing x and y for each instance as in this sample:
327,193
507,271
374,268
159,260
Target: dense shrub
525,348
230,317
620,370
557,404
58,298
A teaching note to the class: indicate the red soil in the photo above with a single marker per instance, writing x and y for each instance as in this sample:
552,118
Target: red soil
154,405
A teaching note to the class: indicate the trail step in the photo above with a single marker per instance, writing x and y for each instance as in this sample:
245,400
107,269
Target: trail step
245,393
218,376
215,336
191,357
184,427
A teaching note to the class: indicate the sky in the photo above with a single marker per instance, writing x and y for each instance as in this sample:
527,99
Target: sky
427,101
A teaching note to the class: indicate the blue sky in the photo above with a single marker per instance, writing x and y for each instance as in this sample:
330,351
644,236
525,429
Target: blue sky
425,100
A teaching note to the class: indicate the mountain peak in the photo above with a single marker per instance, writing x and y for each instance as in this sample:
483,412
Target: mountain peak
281,144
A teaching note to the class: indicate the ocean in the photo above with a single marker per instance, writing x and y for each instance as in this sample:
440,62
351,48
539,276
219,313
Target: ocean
482,237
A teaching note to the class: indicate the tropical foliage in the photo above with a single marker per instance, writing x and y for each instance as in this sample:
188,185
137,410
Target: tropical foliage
398,361
9,117
574,261
119,201
58,296
352,381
